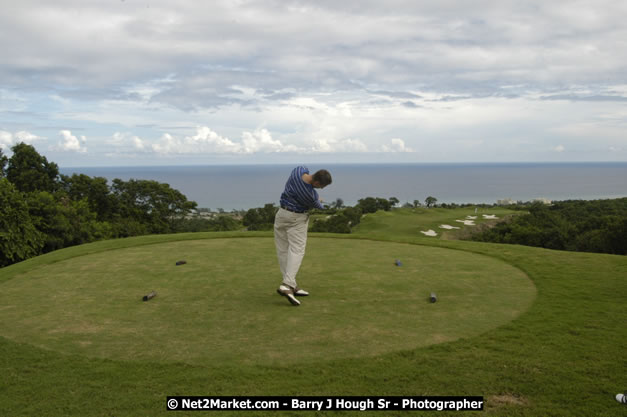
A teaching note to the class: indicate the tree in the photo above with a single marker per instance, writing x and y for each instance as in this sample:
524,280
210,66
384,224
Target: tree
94,190
260,218
338,204
29,171
223,224
19,239
3,163
341,222
149,204
372,205
590,226
417,203
367,205
218,224
65,222
430,201
353,214
337,223
393,201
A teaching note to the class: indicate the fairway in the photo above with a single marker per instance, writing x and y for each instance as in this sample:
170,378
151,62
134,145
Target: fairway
221,307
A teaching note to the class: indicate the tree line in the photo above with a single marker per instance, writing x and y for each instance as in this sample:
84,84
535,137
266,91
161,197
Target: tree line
339,219
573,225
42,210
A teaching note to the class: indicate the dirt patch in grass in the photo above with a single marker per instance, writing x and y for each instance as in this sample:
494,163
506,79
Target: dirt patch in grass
502,400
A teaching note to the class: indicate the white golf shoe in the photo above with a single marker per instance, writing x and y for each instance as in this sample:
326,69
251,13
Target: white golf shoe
300,292
622,398
287,292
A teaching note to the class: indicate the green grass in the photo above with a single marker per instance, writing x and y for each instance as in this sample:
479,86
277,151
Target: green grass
411,222
563,356
222,308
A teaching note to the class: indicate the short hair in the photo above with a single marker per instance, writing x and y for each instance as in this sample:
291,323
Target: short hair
323,177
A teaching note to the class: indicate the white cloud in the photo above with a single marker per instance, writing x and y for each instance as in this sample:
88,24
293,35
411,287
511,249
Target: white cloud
7,139
27,137
118,139
333,145
70,142
261,141
559,148
352,145
167,145
127,140
205,141
317,75
396,145
255,46
138,143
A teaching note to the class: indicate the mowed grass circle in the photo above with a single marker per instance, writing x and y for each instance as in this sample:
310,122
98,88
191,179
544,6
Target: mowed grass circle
222,306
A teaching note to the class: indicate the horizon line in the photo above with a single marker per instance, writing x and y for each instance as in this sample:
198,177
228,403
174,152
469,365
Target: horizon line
344,163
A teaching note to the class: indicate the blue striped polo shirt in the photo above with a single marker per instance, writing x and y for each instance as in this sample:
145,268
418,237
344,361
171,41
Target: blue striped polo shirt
298,195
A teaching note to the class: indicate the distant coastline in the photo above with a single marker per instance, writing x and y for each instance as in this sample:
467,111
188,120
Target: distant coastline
245,186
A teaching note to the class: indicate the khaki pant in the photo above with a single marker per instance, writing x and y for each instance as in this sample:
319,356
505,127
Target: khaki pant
290,238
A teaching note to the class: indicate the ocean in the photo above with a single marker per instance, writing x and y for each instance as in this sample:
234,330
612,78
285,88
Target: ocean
240,187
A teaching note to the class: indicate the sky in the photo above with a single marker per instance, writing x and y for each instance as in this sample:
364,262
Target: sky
188,82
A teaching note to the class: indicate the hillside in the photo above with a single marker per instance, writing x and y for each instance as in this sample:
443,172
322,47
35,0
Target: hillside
560,355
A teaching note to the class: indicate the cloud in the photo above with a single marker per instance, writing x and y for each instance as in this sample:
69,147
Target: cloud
593,98
72,143
7,139
138,143
333,145
396,145
319,77
559,148
27,137
127,140
261,141
207,48
205,141
169,145
351,145
118,139
396,94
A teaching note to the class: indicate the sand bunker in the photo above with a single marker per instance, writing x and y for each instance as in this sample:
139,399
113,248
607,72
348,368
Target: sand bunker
490,216
467,222
448,227
429,233
471,217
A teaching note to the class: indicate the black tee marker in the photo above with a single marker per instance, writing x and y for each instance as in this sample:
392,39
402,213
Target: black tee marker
150,296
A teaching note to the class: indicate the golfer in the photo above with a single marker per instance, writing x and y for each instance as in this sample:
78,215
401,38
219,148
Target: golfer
291,223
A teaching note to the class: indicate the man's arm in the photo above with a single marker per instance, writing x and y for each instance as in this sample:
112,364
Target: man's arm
317,201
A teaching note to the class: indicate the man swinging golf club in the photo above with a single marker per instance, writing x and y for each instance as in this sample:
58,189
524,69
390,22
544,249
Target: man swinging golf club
291,223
